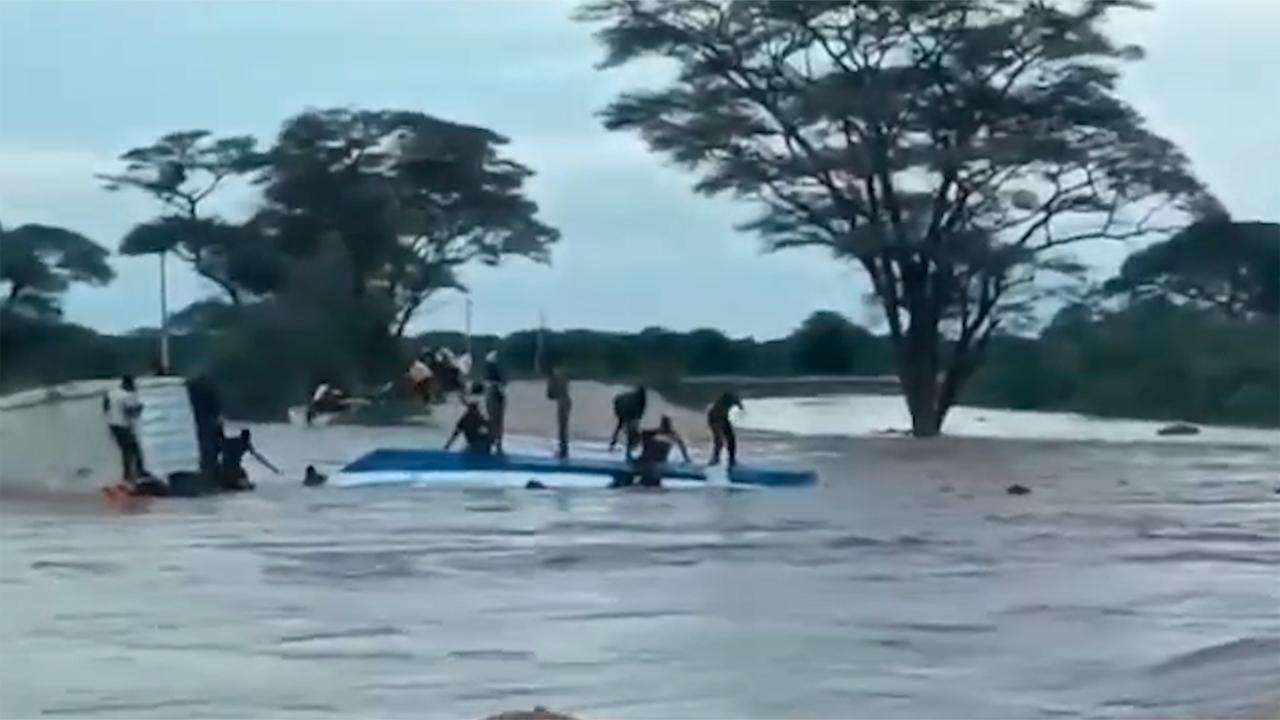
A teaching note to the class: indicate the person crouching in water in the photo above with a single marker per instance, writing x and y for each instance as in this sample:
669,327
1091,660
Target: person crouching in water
655,450
232,475
722,436
475,429
628,409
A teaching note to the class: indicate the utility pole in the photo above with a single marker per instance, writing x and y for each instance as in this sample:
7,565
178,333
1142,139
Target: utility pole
470,356
164,314
540,347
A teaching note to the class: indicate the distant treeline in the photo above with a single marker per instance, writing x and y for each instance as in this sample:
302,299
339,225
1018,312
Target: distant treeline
1151,359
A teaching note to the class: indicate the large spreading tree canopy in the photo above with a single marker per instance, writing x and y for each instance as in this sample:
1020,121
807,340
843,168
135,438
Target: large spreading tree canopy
39,263
953,150
411,197
1231,266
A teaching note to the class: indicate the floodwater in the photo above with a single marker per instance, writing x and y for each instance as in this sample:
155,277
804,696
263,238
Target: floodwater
1137,580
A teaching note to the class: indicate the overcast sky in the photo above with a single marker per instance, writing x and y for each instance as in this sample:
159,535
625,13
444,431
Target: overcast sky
80,82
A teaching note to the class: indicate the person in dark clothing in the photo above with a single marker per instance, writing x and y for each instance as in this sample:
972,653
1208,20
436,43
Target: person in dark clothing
232,474
474,428
206,407
495,398
722,436
558,392
655,451
628,409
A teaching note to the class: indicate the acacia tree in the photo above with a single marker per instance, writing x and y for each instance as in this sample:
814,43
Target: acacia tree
39,263
951,150
411,197
1231,266
181,171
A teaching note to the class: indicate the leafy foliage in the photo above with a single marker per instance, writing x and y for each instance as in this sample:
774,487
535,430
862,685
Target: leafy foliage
181,171
411,197
1231,266
38,263
951,150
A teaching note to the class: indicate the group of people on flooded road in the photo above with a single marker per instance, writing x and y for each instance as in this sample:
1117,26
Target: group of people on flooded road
647,450
432,377
221,455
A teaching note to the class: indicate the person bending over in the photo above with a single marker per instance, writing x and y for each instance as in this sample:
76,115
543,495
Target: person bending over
628,410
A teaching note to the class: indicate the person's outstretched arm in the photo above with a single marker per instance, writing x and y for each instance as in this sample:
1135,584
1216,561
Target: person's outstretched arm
267,463
684,449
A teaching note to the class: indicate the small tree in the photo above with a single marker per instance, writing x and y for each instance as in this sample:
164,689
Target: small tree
38,263
181,171
1231,266
952,150
827,344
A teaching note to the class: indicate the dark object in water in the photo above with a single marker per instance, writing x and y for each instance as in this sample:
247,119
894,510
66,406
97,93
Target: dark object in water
1016,489
534,485
313,477
1179,429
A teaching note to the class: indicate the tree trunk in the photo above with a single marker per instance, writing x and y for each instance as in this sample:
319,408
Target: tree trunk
919,380
919,356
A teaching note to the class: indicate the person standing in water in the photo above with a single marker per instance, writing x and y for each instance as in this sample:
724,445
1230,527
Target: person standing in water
123,408
722,436
495,398
628,409
233,475
558,392
206,408
420,377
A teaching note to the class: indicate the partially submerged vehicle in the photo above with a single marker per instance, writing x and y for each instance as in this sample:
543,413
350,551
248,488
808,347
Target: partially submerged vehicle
55,439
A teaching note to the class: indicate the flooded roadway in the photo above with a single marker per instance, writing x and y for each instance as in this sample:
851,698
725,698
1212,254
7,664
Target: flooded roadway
1135,580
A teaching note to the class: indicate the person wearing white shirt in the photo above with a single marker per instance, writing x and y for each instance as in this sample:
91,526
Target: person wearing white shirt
123,408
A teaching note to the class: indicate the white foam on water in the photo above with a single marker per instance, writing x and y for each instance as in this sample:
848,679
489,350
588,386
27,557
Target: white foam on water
862,415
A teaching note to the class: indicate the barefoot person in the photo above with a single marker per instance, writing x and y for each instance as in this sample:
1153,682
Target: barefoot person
495,398
722,436
558,392
122,407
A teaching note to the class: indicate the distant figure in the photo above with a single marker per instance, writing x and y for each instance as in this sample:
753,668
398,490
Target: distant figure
420,378
722,436
233,475
558,392
123,408
448,375
474,428
655,450
206,408
313,477
495,398
325,399
628,409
